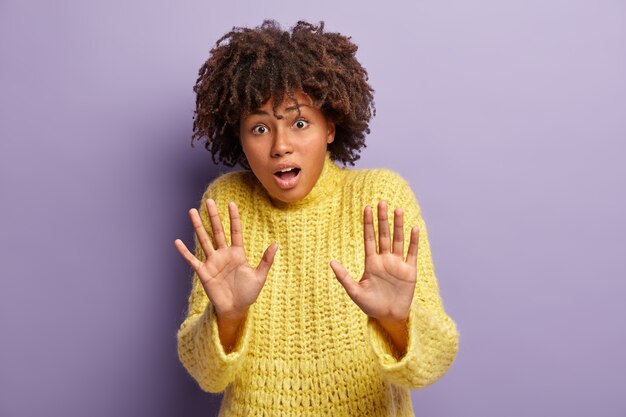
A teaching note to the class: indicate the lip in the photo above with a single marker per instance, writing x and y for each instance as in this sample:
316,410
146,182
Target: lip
286,184
285,165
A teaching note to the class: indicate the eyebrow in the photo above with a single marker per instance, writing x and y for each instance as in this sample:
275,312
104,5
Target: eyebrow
287,110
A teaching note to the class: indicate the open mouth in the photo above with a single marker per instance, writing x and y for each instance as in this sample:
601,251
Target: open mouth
288,173
287,178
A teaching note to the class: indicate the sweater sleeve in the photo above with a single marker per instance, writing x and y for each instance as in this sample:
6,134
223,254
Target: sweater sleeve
199,347
432,334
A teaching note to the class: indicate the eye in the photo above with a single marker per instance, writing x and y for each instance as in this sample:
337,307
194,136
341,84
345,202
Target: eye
301,123
259,129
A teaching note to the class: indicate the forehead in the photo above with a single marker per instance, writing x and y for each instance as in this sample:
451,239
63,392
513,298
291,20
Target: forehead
287,105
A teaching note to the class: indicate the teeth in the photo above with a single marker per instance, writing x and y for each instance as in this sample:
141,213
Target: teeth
287,169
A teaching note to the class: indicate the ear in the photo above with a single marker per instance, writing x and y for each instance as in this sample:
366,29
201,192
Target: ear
331,132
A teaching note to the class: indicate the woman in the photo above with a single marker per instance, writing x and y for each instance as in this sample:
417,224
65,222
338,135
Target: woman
298,334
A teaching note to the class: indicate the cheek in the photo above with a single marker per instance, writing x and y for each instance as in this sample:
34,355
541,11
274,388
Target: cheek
249,150
257,167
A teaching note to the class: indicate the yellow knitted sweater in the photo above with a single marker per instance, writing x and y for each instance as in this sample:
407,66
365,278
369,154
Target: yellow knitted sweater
305,348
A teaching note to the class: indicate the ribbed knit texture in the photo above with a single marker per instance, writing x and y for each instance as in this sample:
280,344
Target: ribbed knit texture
306,349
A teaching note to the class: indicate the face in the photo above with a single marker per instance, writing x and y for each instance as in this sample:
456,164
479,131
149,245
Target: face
286,155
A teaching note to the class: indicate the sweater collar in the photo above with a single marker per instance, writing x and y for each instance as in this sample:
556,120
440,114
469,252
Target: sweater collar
328,181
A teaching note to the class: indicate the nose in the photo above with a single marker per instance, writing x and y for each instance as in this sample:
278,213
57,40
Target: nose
282,144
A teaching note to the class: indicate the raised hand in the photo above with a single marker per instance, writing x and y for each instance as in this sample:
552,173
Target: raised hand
229,281
385,290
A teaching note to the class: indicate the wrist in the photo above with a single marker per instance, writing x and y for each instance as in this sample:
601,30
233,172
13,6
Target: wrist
234,316
397,331
229,325
394,319
393,323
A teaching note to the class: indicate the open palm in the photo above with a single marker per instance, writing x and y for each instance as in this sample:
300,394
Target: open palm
229,281
385,290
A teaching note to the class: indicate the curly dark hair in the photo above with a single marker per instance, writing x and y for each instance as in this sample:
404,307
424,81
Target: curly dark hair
247,67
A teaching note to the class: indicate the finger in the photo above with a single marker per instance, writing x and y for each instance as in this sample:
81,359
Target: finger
266,261
369,236
203,236
351,287
411,256
216,224
189,257
398,232
236,236
383,228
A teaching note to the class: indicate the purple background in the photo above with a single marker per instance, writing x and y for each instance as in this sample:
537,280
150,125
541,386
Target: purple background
508,119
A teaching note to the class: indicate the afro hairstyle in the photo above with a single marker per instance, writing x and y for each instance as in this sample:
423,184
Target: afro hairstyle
247,67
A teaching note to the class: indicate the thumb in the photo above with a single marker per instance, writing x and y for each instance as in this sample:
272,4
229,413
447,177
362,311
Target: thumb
351,287
266,261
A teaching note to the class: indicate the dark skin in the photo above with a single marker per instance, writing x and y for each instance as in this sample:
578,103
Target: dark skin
385,291
309,59
241,75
